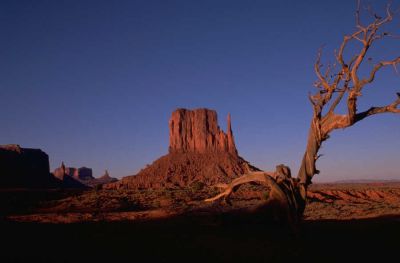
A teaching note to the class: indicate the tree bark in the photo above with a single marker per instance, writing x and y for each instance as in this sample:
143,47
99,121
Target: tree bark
307,169
332,86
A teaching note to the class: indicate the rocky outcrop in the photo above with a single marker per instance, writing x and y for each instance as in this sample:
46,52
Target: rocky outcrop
61,172
186,169
24,167
72,177
82,173
198,131
104,179
199,153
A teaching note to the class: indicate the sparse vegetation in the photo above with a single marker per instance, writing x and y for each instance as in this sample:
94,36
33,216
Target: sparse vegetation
197,186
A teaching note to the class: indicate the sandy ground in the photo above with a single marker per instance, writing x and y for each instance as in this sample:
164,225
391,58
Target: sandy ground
325,202
342,223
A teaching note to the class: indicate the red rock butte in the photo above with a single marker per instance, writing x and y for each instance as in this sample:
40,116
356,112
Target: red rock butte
198,131
199,152
24,168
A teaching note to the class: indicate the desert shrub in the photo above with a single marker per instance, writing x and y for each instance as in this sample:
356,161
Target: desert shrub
98,187
196,186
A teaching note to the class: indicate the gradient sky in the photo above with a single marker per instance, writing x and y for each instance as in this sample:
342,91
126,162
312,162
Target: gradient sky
93,83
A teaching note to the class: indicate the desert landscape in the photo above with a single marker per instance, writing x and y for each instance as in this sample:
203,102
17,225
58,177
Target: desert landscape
358,221
92,91
336,201
164,209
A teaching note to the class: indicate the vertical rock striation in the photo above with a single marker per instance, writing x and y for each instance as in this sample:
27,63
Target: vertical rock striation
231,141
198,131
199,152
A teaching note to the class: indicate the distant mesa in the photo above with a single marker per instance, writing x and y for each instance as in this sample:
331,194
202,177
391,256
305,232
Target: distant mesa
24,168
80,177
199,152
29,168
82,173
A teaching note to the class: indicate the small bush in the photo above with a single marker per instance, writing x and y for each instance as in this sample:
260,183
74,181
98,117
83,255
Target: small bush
98,187
197,186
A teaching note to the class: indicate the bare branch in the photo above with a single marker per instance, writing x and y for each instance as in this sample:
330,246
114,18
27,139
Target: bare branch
377,67
389,15
337,100
357,63
317,69
265,177
291,192
393,108
358,23
352,86
339,56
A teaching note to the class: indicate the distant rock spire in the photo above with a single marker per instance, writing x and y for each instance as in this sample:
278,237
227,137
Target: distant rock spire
63,167
231,142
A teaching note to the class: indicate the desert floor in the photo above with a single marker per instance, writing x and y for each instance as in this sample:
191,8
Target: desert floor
342,222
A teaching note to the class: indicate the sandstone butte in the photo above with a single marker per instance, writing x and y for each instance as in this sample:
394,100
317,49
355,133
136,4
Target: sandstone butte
71,177
200,152
198,131
24,168
82,173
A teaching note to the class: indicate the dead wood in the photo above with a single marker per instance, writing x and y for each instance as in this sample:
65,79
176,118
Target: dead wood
337,83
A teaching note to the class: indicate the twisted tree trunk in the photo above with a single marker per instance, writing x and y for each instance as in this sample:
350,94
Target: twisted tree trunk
307,168
290,193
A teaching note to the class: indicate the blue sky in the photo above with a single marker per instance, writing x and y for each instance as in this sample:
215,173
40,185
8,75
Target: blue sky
93,83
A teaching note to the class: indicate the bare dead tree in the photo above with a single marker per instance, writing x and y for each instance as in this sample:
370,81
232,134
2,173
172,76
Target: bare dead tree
339,83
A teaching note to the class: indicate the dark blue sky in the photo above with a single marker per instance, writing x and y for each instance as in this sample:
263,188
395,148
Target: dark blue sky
93,83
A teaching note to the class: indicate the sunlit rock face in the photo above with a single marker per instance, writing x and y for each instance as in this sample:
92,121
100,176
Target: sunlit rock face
82,177
82,173
24,167
198,131
199,153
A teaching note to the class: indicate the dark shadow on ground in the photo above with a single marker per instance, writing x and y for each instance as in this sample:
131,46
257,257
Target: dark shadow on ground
191,239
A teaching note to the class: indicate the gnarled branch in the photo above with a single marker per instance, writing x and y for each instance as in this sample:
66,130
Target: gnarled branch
285,191
393,108
345,82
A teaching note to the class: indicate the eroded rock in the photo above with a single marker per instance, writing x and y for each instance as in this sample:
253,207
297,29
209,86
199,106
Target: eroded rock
24,167
198,131
199,153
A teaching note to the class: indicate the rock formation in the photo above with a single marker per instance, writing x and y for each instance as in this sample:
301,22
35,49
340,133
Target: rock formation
24,168
199,152
72,177
104,179
60,172
198,131
82,173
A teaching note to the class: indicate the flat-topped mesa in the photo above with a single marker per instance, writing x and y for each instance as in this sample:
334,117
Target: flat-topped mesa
198,131
24,168
82,173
